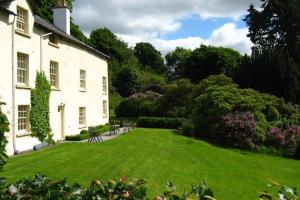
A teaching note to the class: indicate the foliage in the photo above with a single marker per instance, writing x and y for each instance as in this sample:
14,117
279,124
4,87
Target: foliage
148,56
4,127
176,100
273,71
45,11
275,138
275,25
126,81
209,60
291,144
39,112
160,122
139,104
77,137
82,132
238,130
279,192
176,62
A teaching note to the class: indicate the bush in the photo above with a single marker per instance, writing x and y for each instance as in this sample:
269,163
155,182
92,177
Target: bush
275,138
159,122
4,127
82,132
291,143
77,137
238,130
101,129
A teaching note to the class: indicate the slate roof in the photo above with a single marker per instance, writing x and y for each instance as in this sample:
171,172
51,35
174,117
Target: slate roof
39,21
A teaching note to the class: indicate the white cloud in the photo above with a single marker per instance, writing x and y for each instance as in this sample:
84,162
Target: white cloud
147,20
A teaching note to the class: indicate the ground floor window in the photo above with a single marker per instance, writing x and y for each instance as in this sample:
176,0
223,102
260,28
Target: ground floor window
105,109
82,116
23,117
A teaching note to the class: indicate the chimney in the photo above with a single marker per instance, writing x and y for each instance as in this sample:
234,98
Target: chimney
61,16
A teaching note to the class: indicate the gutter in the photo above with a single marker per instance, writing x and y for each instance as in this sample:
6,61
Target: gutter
13,82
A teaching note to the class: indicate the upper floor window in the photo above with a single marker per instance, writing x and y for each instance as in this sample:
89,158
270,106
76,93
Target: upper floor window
82,116
104,85
53,39
54,74
82,80
23,117
22,20
23,68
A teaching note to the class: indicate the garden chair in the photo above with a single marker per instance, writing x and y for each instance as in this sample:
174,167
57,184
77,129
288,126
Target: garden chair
93,135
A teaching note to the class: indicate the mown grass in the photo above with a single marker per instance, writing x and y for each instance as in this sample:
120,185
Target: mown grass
158,156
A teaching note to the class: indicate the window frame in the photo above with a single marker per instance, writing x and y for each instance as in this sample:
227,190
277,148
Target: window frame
54,73
82,116
82,82
104,85
22,69
22,20
23,118
104,109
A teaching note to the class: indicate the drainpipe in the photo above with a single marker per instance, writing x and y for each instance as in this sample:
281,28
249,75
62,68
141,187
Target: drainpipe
41,50
13,83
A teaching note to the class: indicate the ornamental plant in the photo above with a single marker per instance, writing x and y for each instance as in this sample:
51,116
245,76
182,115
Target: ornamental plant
238,130
39,113
4,127
292,137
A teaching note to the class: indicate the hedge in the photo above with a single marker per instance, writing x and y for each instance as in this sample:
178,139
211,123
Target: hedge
84,134
160,122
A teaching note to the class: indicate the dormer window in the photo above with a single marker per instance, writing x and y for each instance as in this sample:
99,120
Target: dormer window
53,39
22,20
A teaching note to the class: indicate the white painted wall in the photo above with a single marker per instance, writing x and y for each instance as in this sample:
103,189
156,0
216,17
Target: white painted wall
71,59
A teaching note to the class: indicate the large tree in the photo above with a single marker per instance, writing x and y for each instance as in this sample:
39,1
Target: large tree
276,24
176,61
275,62
209,60
149,56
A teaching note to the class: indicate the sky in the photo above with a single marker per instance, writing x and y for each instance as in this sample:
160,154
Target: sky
168,24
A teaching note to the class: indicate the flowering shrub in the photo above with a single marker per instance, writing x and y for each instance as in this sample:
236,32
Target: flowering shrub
291,145
275,138
239,130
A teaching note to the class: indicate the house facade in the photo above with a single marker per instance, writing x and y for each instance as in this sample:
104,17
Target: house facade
78,74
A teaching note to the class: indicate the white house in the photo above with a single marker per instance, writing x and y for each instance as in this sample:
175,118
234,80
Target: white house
77,73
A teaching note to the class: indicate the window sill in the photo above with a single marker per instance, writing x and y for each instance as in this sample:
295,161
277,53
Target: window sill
53,45
82,127
23,135
23,34
23,87
81,90
56,89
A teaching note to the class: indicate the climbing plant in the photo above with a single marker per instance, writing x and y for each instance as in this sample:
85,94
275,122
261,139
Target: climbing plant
39,113
4,127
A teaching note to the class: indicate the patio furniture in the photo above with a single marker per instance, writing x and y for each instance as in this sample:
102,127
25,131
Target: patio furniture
114,128
93,135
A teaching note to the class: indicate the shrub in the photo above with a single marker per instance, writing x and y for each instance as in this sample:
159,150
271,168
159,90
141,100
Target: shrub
275,138
238,130
77,137
159,122
101,129
4,127
291,142
82,132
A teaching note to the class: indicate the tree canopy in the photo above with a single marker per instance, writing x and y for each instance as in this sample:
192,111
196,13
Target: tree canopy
148,56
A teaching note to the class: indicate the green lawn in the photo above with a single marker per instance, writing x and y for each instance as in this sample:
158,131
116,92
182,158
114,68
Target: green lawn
158,156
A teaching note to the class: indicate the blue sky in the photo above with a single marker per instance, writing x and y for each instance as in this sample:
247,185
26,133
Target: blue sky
195,26
168,24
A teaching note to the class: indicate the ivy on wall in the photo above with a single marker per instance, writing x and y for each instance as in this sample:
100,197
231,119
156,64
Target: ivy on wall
39,113
4,127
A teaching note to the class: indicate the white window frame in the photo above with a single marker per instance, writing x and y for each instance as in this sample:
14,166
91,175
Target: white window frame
23,118
82,116
104,85
82,80
22,68
22,20
54,74
105,109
